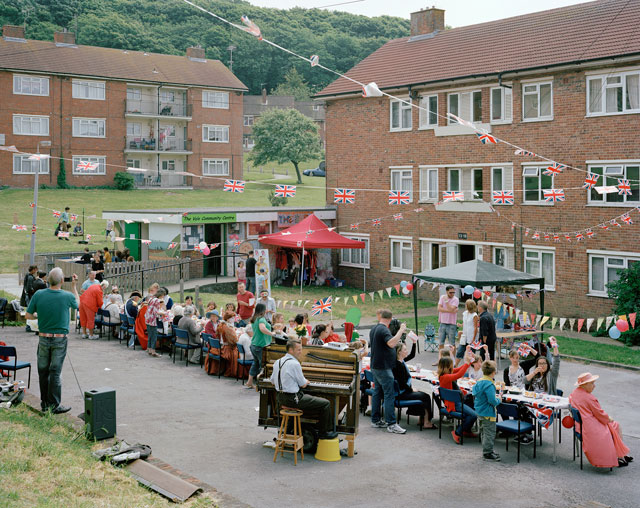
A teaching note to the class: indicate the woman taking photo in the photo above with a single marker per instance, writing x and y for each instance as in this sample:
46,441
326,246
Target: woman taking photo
262,335
543,379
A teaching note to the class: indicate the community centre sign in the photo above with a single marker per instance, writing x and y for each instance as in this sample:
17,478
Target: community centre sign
208,218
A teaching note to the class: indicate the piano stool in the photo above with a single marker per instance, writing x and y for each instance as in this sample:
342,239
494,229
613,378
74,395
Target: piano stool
295,441
328,450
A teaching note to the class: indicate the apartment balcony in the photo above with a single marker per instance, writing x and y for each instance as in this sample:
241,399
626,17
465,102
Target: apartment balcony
153,109
163,180
176,146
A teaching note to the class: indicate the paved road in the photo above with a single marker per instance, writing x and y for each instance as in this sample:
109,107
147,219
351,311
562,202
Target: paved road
207,427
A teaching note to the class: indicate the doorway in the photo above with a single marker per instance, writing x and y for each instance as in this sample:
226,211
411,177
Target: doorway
213,234
466,253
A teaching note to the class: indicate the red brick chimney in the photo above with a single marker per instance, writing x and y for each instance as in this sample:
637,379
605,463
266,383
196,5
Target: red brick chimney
195,52
16,32
64,37
427,21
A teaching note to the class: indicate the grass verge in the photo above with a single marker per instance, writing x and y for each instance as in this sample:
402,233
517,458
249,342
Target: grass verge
41,465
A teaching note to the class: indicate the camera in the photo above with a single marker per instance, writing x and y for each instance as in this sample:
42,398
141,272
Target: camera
67,279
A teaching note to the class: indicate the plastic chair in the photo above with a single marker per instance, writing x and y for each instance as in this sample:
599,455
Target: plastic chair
3,308
161,334
214,343
206,337
455,396
122,331
242,361
400,404
368,375
430,338
184,335
107,323
577,435
510,424
15,365
131,330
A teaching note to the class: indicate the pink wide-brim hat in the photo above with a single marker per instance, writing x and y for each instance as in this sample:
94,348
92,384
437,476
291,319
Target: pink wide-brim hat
585,378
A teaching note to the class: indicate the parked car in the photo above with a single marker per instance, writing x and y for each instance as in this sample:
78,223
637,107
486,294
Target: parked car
319,171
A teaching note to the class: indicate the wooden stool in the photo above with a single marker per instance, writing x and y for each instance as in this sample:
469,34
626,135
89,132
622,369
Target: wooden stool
295,440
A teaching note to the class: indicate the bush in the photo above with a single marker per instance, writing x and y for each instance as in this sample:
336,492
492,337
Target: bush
124,181
626,292
276,201
62,176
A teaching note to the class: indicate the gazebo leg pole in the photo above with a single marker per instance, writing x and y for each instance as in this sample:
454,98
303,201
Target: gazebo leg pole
542,300
415,307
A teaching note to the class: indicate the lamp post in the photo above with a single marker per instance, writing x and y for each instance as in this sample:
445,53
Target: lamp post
230,50
32,254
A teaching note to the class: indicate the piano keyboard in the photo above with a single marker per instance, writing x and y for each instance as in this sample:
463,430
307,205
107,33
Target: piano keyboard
337,386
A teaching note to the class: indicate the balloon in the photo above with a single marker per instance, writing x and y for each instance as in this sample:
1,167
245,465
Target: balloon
403,283
202,245
405,291
206,251
622,325
468,290
567,422
614,333
409,287
477,293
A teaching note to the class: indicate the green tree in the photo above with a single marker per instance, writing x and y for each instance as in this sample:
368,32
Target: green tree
285,135
626,292
294,85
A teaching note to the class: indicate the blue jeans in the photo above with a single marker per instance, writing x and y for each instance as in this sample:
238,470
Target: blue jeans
383,379
256,366
445,331
470,417
51,354
251,285
152,333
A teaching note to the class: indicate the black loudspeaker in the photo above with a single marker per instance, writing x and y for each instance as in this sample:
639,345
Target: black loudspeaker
100,413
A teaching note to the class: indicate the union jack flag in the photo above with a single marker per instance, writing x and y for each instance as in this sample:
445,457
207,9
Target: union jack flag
526,231
554,169
376,222
86,166
21,228
624,187
56,213
146,242
397,216
523,349
63,234
353,227
476,344
399,197
579,237
556,238
486,139
589,233
73,216
553,195
544,415
513,226
552,341
418,210
502,197
321,306
604,226
237,243
536,236
233,186
32,205
526,153
547,237
172,245
626,218
568,237
285,191
591,181
344,196
613,222
452,196
214,246
33,229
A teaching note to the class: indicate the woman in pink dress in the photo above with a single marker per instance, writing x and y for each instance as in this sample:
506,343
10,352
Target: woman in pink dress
601,435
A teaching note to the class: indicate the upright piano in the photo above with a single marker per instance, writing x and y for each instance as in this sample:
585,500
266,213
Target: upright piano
332,374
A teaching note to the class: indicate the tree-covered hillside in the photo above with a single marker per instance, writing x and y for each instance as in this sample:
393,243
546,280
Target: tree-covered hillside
170,26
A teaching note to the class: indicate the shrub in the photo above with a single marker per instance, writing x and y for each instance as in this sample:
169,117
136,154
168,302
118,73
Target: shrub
124,181
62,175
626,292
277,201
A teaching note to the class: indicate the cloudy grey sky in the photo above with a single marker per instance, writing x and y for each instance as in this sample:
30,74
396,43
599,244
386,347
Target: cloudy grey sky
458,12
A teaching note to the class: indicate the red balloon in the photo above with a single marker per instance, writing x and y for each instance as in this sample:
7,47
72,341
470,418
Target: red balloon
622,325
477,293
409,286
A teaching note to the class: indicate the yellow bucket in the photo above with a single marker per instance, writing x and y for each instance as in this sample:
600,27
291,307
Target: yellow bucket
328,450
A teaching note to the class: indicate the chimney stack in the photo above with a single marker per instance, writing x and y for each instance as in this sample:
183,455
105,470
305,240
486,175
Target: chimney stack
195,52
429,20
64,37
17,32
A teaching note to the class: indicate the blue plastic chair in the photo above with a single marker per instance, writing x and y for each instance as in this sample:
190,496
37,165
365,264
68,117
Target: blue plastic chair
107,323
206,337
400,404
577,436
3,308
131,330
455,396
124,326
510,424
184,335
242,362
430,338
15,365
161,334
215,344
368,375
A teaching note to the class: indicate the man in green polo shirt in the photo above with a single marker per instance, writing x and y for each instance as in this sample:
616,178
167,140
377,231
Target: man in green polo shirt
52,308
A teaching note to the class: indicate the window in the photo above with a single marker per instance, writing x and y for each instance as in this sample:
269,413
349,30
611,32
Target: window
317,107
134,129
168,165
476,183
467,180
23,166
30,85
429,111
431,255
356,257
541,264
401,256
402,180
613,94
400,112
31,125
537,101
133,163
255,229
248,120
535,181
466,105
134,94
604,269
214,167
93,90
611,174
428,184
100,161
501,105
247,141
89,127
500,256
167,96
217,100
215,133
502,179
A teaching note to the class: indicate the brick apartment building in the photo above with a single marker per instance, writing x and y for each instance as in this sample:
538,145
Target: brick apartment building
117,108
562,83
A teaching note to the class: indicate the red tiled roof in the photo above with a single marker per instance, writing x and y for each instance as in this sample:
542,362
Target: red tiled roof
588,31
47,57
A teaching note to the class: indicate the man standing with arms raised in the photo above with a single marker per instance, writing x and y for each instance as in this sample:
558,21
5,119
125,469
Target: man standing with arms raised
447,314
251,272
52,306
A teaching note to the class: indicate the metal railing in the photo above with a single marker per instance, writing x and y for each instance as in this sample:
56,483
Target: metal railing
142,108
162,179
166,145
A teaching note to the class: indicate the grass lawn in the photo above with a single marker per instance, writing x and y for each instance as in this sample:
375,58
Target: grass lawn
272,169
41,465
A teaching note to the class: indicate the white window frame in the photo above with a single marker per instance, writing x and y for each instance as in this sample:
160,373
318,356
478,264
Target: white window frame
206,129
132,133
248,120
208,163
215,99
470,94
503,184
506,256
615,171
347,255
167,96
425,114
77,123
402,107
603,96
88,86
134,163
537,85
427,194
406,243
606,256
405,175
101,160
43,120
18,85
506,98
541,252
539,174
165,163
134,94
23,159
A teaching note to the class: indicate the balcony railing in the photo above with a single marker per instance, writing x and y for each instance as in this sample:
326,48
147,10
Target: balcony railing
163,179
152,144
152,108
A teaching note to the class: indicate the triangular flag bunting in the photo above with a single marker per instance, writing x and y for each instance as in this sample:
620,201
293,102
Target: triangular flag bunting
623,317
336,299
372,295
580,323
278,303
599,323
499,306
284,304
421,283
538,318
533,318
397,286
517,314
346,301
381,292
572,322
388,290
609,321
554,321
562,322
589,323
493,304
299,303
544,320
305,303
632,319
525,316
355,299
362,296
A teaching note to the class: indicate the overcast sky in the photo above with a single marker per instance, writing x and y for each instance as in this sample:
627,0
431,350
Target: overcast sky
457,12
